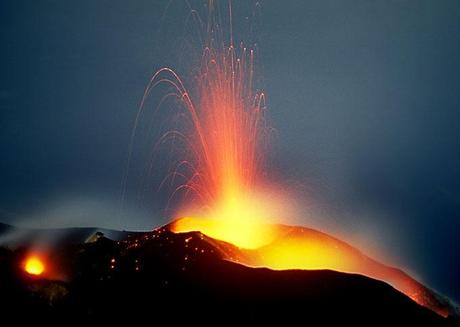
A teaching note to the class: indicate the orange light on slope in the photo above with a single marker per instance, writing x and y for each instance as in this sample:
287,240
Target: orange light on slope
304,253
294,247
34,266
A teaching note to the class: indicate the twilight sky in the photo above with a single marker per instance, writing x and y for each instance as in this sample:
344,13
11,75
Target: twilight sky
365,97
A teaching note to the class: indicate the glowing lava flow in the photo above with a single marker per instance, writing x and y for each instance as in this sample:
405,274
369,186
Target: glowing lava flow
34,266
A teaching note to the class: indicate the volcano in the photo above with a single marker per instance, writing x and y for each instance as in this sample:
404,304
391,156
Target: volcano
190,277
297,247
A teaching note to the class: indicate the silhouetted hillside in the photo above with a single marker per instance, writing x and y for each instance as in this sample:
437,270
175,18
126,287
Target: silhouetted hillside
182,277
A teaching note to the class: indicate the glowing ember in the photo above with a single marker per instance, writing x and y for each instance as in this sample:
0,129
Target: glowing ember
34,266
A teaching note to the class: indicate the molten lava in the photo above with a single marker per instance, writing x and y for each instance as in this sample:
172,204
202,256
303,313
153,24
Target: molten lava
34,266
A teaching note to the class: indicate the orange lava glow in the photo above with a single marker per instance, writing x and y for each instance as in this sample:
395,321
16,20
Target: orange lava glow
240,221
34,266
293,247
240,232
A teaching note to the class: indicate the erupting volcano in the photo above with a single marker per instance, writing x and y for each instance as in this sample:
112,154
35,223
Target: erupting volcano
222,163
226,252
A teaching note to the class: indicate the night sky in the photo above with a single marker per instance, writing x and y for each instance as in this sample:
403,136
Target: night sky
364,95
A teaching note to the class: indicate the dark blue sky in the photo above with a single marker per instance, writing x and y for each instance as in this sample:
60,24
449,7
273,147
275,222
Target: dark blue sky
365,96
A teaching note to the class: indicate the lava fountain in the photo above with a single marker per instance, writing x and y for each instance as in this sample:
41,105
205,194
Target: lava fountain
224,159
223,171
224,148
